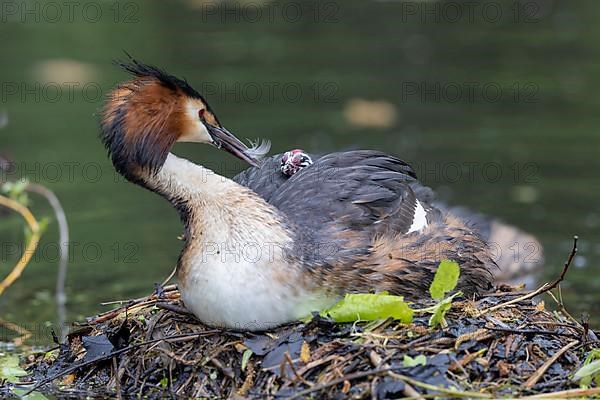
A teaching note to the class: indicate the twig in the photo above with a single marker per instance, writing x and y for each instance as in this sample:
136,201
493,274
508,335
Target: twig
170,288
63,232
311,365
117,379
377,361
533,379
563,310
564,394
563,273
289,360
248,382
174,308
449,392
349,377
31,245
171,275
544,288
133,304
531,332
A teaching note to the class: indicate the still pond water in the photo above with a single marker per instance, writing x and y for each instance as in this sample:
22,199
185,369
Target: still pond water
495,105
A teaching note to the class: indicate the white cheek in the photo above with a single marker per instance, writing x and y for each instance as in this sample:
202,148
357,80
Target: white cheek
196,132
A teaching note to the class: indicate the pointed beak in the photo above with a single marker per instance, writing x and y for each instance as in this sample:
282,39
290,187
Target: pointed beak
223,139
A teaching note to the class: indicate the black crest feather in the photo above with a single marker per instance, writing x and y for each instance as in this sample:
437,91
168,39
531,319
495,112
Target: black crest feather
141,70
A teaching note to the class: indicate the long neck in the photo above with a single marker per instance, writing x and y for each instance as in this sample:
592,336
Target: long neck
187,186
214,207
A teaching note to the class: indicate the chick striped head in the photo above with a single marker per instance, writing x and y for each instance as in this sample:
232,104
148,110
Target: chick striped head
293,161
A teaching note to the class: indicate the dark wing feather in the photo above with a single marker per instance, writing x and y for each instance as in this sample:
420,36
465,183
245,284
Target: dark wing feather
366,190
264,181
267,181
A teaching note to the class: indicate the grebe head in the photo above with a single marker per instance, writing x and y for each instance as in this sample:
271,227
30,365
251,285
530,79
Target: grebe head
293,161
145,116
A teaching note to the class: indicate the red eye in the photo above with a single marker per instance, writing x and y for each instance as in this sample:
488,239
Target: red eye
201,113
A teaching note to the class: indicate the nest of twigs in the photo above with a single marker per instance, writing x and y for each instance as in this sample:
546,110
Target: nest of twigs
504,344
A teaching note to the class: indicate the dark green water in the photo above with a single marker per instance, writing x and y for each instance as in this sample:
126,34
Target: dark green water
499,112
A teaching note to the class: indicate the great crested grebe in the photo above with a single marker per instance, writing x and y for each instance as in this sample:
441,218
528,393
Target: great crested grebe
349,223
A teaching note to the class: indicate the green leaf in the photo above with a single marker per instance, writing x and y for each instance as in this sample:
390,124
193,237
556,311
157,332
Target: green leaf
369,307
43,224
585,376
413,362
245,358
28,234
588,372
439,313
10,369
445,279
16,191
592,355
440,310
164,382
51,355
30,396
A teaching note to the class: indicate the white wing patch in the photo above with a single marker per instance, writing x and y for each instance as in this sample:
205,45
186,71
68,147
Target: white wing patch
419,220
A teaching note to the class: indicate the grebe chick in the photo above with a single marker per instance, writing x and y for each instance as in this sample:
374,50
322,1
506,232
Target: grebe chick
293,161
348,223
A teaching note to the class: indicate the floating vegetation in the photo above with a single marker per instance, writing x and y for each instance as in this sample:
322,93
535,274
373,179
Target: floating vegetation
503,344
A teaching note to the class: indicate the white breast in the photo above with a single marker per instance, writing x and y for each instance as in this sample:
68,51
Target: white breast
235,290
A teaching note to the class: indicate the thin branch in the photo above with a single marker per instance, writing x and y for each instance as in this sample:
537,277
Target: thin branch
289,360
171,275
533,379
565,394
337,381
532,332
448,392
377,361
544,288
31,245
63,228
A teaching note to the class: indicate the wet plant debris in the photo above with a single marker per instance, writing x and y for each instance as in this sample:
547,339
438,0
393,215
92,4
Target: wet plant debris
153,348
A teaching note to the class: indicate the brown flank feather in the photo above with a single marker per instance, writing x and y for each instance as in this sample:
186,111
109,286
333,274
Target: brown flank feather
405,264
